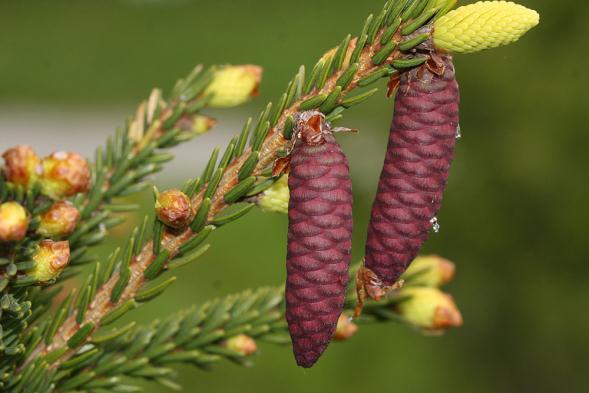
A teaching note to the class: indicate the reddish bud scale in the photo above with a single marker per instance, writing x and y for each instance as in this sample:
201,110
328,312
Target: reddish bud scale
319,244
415,171
22,166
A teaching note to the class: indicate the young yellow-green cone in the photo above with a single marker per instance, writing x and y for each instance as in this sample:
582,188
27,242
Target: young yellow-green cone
22,166
51,258
428,309
429,271
60,220
14,222
64,175
234,85
275,199
483,25
174,208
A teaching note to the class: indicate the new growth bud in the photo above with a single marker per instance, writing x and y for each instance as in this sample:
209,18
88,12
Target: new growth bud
275,199
202,124
234,85
242,344
60,220
174,208
428,309
345,328
51,258
196,124
483,25
22,166
64,175
429,271
14,222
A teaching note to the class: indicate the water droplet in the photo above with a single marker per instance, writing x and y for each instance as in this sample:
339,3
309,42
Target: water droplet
458,132
435,224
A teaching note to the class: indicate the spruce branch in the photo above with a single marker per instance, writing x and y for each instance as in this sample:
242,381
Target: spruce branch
139,150
135,152
119,169
218,195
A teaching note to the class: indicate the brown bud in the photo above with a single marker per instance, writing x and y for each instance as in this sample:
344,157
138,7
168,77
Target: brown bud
174,208
22,166
429,271
345,328
428,309
60,220
14,222
242,344
64,175
51,258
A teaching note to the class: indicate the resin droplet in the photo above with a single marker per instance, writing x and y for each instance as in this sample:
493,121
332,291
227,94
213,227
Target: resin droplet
435,224
458,132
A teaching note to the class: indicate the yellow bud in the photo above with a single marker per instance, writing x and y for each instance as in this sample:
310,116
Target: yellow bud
275,198
21,165
51,258
483,25
174,208
345,328
199,124
60,220
234,85
428,309
202,124
196,124
64,175
14,222
242,344
429,271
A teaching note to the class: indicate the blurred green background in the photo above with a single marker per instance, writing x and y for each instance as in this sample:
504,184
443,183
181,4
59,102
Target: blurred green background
514,219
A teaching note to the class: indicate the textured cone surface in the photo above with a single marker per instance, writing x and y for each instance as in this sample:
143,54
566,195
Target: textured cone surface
415,171
319,246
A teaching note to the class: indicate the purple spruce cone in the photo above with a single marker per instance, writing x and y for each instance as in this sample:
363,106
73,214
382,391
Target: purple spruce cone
415,173
319,237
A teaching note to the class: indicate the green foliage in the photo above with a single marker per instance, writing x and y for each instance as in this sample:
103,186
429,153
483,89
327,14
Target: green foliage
197,336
